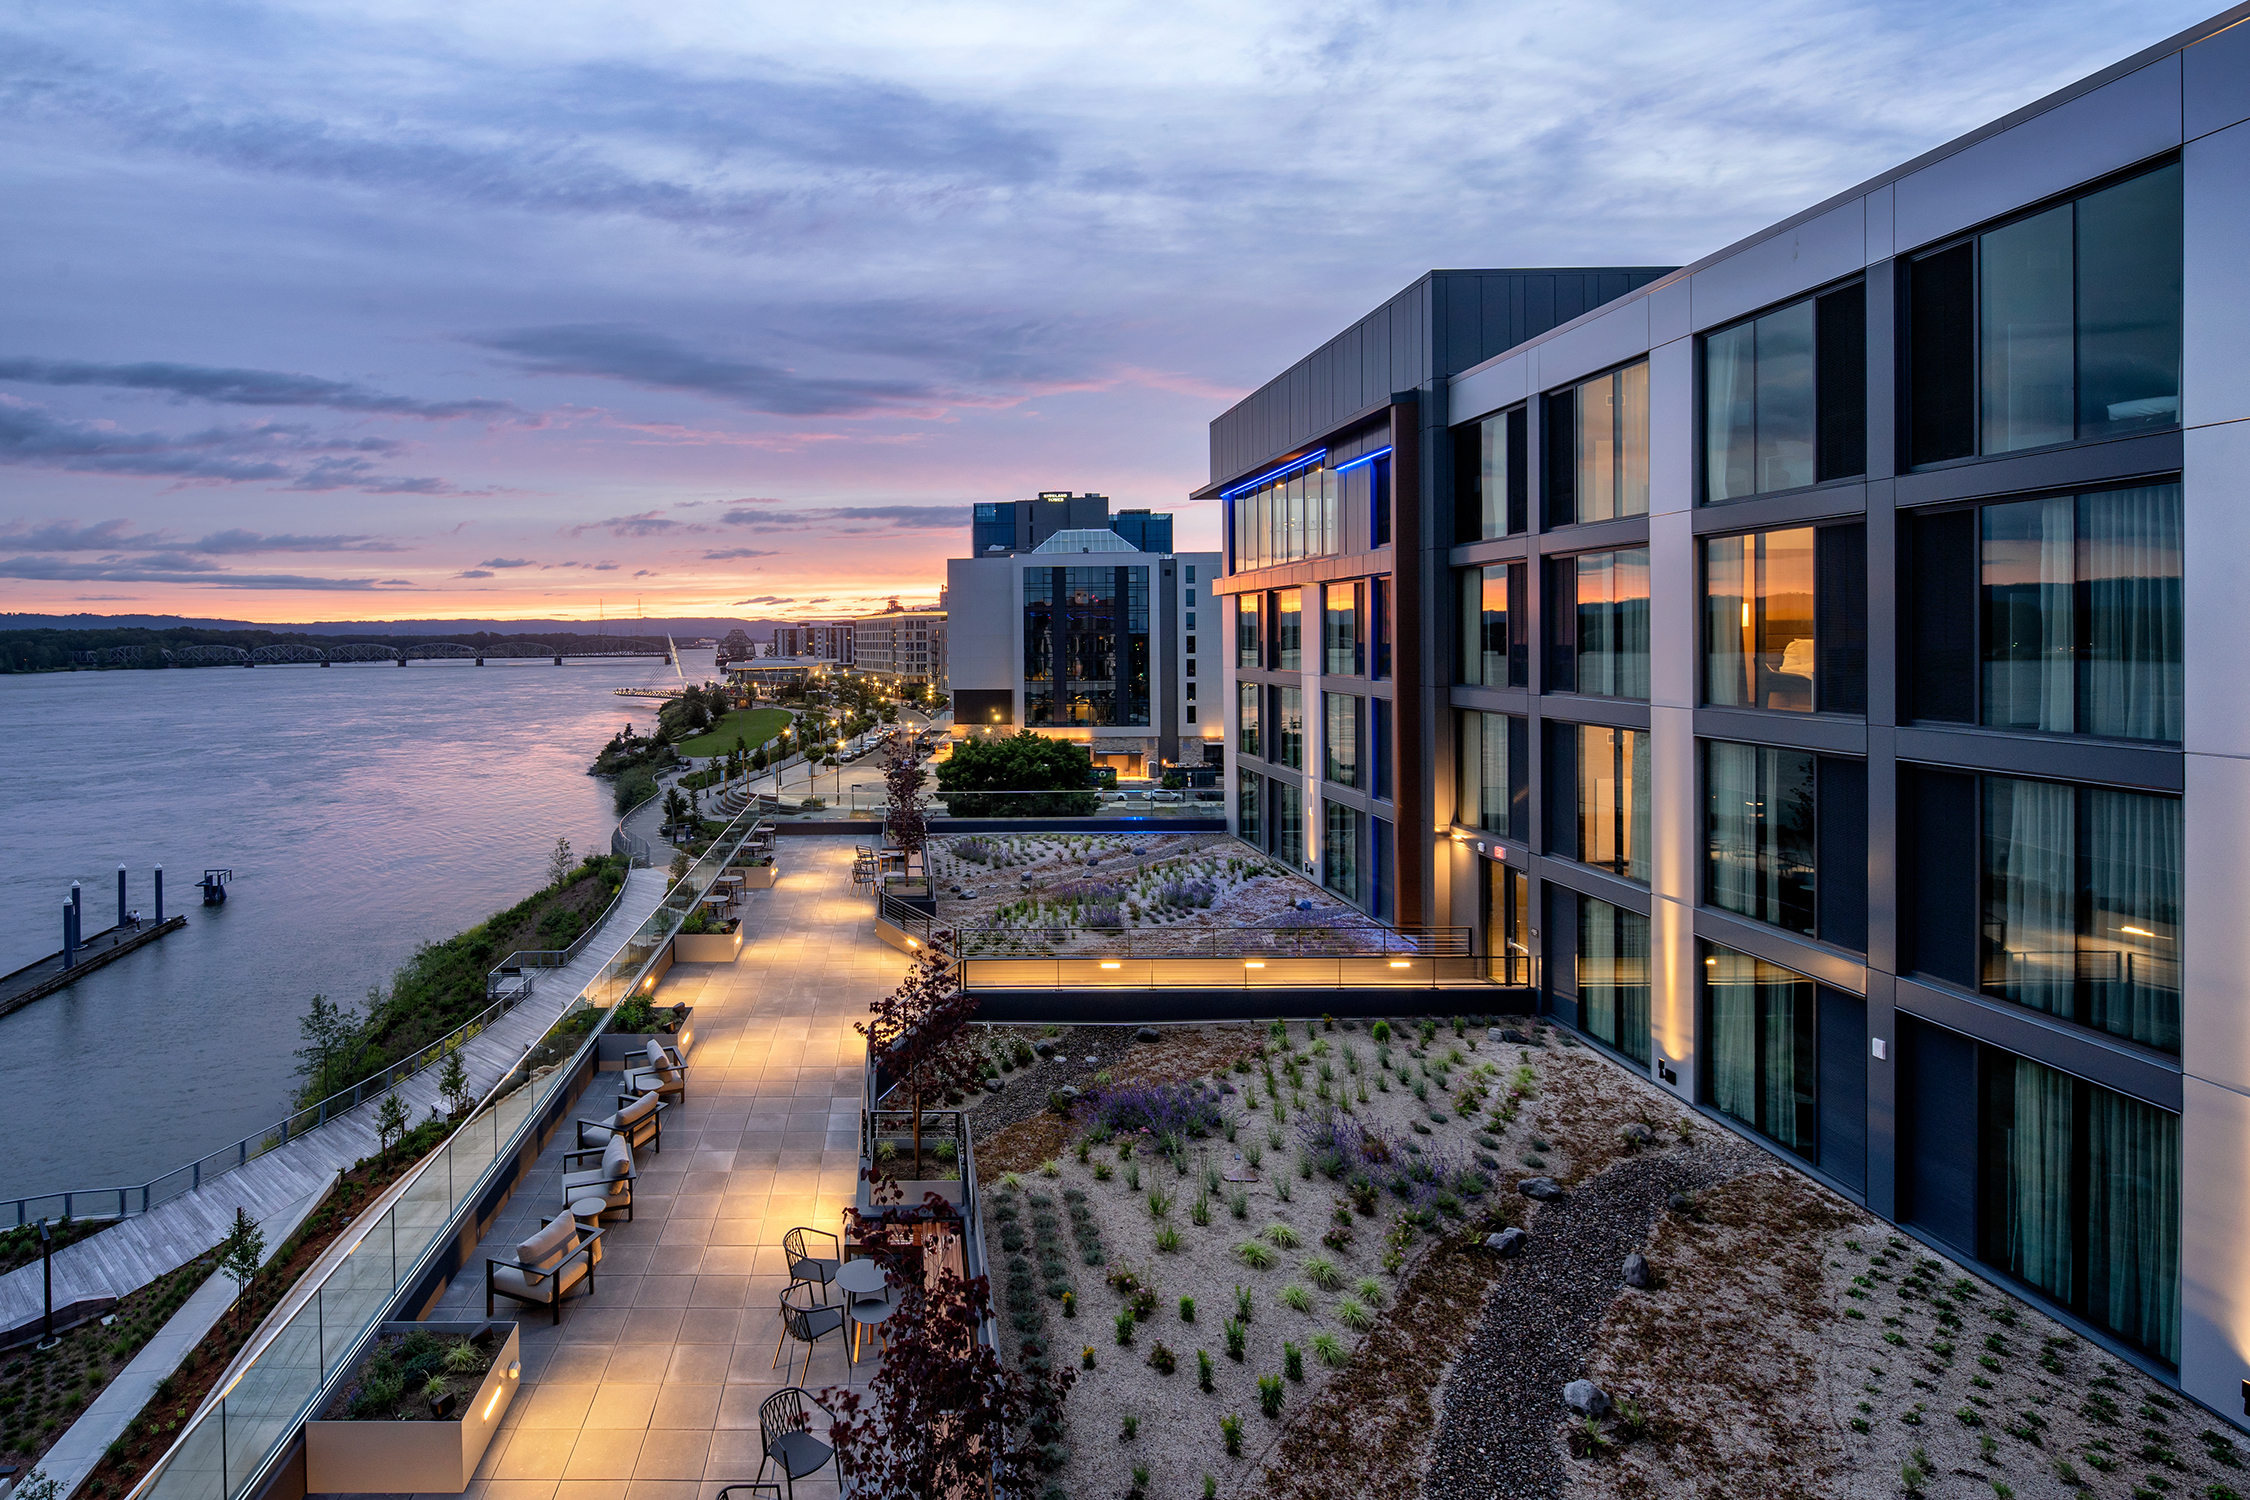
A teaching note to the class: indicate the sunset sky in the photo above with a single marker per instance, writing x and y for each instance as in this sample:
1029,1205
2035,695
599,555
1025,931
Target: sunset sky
406,310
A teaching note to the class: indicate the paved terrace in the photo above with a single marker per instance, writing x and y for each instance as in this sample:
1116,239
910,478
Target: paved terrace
650,1389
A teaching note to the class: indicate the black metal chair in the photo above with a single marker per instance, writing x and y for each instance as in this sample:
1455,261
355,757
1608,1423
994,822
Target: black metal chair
807,1324
806,1268
753,1491
786,1438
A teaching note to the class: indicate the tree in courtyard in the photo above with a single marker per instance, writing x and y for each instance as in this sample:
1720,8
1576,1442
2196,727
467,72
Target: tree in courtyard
919,1033
453,1081
559,862
240,1255
390,1121
908,820
1020,762
944,1415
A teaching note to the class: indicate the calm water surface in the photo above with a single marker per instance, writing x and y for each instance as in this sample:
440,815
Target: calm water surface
364,810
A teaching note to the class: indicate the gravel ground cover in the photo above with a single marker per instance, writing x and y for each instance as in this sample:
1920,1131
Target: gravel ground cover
1244,1216
1077,892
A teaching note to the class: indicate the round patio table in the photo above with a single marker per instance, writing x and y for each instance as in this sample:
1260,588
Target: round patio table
861,1278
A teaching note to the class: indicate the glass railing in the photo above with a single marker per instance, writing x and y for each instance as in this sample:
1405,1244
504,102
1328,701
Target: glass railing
321,1325
827,799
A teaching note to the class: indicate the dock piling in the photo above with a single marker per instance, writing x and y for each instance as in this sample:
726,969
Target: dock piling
160,895
69,936
121,894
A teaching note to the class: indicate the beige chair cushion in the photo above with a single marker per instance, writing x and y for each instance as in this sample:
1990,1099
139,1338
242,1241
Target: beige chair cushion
617,1158
547,1248
512,1281
636,1112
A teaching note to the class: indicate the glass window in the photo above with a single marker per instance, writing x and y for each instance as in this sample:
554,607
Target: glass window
1290,516
1611,445
1289,824
2082,906
2081,615
1491,477
1289,728
1288,633
1379,746
2080,1197
1610,624
1339,630
1762,1059
1379,622
1339,850
1382,887
1248,805
1492,652
1613,799
1785,397
1488,773
1613,973
1248,616
1246,722
1758,620
1759,833
1507,923
1340,739
2063,325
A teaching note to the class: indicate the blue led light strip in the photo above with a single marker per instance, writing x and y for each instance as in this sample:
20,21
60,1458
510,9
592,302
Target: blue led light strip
1365,458
1296,463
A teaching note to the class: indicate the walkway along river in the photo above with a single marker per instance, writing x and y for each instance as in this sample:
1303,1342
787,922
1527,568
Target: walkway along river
364,809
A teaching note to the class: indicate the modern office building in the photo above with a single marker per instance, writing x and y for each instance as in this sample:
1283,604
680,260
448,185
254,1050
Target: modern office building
1087,638
822,642
904,648
1020,525
1783,663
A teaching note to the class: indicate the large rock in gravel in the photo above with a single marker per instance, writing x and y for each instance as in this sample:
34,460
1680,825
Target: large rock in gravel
993,1085
1507,1243
1637,1272
1148,1034
1638,1134
1586,1398
1044,1049
1510,1034
1545,1189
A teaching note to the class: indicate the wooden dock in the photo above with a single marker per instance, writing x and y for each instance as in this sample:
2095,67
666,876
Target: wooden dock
48,975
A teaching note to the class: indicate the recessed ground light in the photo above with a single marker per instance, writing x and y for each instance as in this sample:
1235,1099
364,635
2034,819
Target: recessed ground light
1399,963
1108,963
1254,963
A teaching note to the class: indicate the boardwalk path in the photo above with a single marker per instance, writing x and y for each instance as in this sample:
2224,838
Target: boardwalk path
132,1254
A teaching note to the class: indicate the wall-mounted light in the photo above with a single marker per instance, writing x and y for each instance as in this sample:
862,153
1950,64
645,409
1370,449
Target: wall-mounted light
1400,963
1254,963
1111,964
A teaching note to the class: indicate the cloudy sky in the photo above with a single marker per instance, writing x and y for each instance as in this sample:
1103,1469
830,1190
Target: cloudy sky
402,309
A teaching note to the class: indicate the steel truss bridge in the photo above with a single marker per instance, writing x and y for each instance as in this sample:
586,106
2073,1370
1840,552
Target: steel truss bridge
322,656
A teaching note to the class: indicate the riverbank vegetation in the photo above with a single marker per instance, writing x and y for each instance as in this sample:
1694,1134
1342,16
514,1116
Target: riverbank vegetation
443,984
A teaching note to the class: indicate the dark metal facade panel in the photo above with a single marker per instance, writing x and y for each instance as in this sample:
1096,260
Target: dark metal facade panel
1442,324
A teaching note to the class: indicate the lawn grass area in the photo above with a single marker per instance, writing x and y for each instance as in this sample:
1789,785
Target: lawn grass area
754,725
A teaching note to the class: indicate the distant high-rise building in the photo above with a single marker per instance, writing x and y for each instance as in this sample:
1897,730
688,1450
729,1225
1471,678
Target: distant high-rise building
820,642
902,647
1008,526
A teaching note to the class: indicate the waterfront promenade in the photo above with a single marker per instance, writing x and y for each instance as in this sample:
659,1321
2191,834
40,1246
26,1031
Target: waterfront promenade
281,1186
649,1390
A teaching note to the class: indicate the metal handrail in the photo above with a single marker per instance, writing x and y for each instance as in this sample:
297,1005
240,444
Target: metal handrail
667,919
550,958
1343,939
140,1198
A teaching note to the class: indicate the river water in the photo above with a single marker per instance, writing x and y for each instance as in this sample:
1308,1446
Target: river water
364,810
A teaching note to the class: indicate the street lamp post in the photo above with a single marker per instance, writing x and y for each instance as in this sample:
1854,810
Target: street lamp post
47,1339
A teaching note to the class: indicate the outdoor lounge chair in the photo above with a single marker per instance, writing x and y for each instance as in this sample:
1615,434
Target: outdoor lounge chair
611,1176
551,1262
808,1325
664,1074
639,1120
806,1269
786,1438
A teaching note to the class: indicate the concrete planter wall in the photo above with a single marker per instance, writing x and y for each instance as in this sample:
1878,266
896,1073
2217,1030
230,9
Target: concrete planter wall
949,1189
757,877
616,1048
707,947
408,1458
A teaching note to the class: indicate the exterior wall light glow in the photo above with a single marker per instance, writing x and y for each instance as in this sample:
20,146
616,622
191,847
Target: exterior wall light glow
1254,963
2137,931
1111,964
1398,963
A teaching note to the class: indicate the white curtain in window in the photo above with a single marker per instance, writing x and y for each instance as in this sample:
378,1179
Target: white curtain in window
2030,841
1734,1037
2040,1199
2130,951
2133,1220
2129,560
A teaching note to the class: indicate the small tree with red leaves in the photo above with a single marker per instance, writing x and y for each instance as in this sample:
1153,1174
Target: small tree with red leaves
908,819
919,1034
944,1416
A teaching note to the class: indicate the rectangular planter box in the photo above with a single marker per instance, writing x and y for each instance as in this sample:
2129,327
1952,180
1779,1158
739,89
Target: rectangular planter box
707,947
757,877
616,1048
948,1188
408,1458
